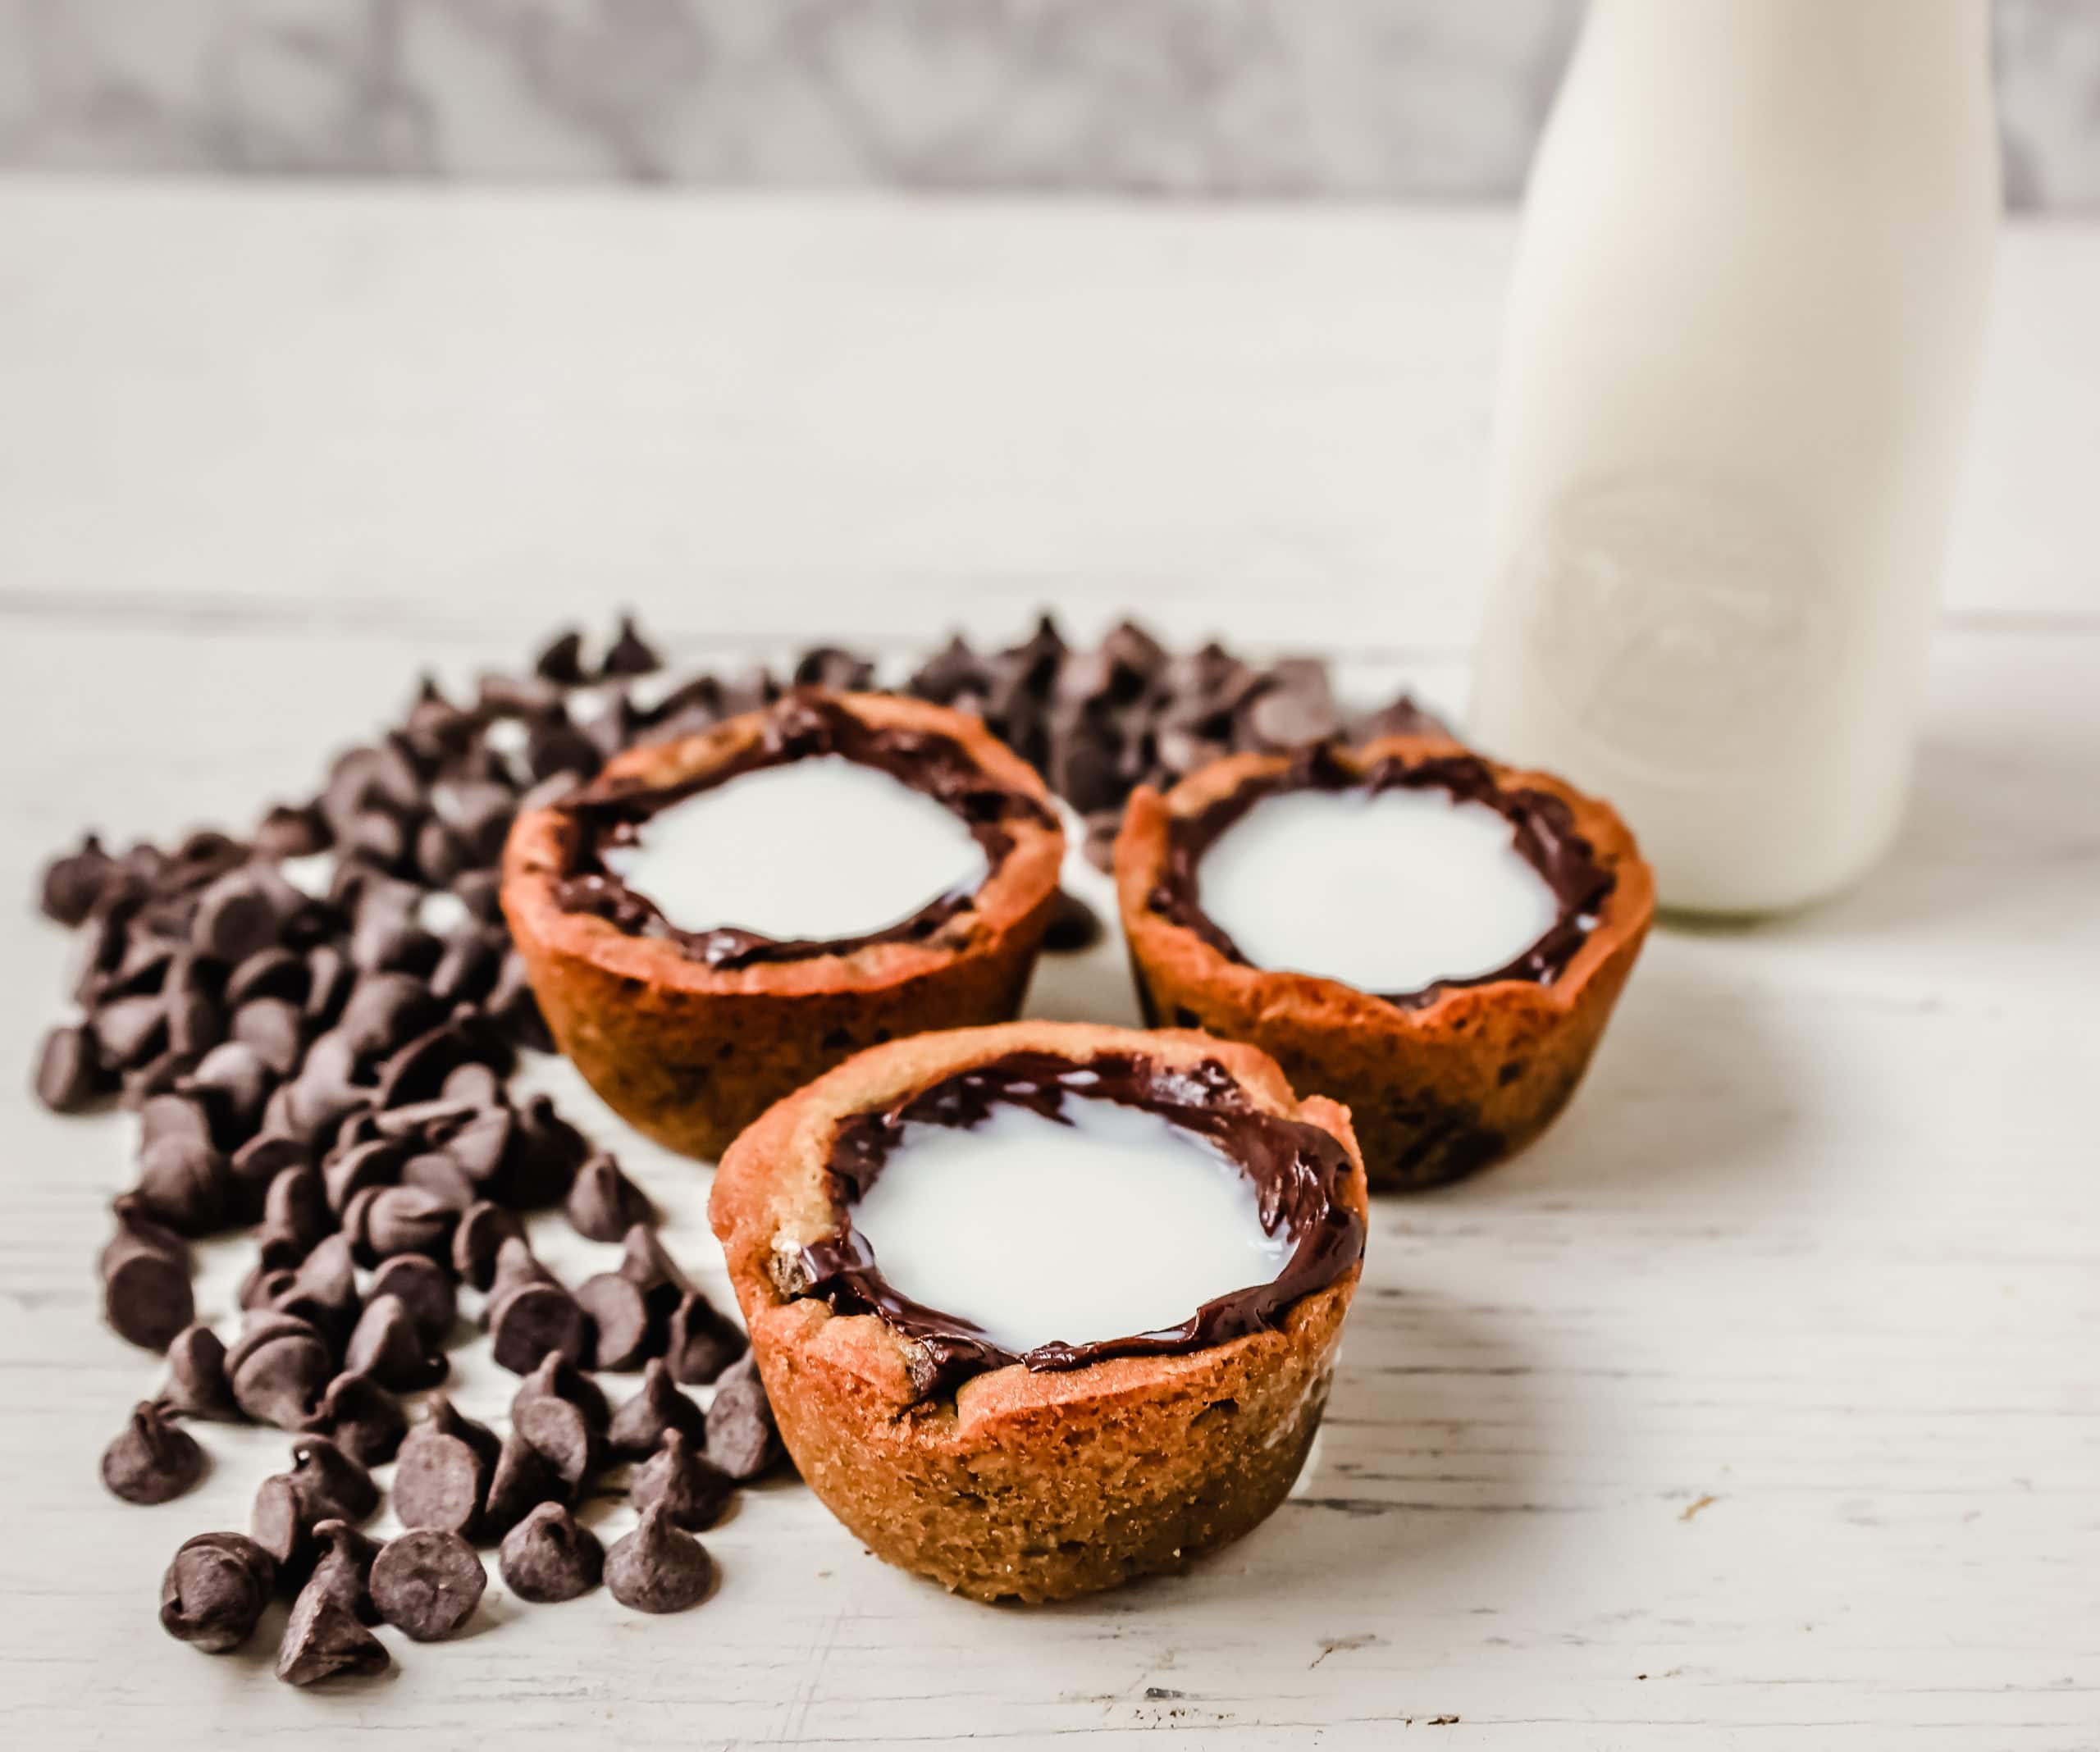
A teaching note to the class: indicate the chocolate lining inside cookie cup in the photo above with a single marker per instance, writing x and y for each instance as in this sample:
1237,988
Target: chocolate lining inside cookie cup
1440,1081
690,1033
1056,1474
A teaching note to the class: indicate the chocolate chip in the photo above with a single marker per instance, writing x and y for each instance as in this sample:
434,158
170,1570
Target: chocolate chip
361,1418
322,1641
295,1205
330,977
630,653
270,1281
557,1379
195,1025
439,1175
742,1437
73,882
428,1583
561,662
644,1263
163,1116
443,1417
145,1292
440,1482
624,1330
659,1566
385,1010
389,1346
516,1265
236,916
1074,925
483,1228
275,1028
69,1077
423,1287
481,1145
544,1153
352,1168
332,1484
702,1343
535,1321
324,1291
282,1527
281,1380
638,1426
131,1030
520,1482
235,1084
408,1220
216,1589
197,1384
561,1436
690,1488
342,1568
548,1558
153,1460
184,1184
603,1203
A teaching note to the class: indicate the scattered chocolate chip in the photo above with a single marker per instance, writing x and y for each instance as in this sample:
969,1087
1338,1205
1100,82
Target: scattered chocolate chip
282,1376
520,1483
389,1346
603,1203
295,1205
440,1177
425,1288
561,1436
282,1526
332,1484
343,1567
691,1488
624,1330
184,1184
408,1220
275,1029
702,1342
639,1425
442,1417
73,882
556,1378
322,1641
236,1083
440,1482
561,662
536,1320
145,1291
548,1558
216,1589
483,1228
197,1382
236,916
324,1291
630,653
659,1566
742,1437
275,973
352,1168
428,1583
361,1418
131,1030
69,1077
153,1461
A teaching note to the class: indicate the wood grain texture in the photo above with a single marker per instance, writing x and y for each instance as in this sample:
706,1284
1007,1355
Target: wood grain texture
1759,1405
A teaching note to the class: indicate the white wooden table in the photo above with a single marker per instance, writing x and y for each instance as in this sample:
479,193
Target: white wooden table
1759,1405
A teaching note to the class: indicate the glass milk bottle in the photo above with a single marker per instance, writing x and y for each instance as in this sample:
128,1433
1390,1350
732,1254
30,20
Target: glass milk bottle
1748,306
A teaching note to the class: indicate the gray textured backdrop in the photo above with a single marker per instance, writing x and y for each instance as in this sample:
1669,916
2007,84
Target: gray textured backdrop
1179,97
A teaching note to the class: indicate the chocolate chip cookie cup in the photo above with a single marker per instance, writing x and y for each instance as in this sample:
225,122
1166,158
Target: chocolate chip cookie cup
715,920
1433,940
1044,1307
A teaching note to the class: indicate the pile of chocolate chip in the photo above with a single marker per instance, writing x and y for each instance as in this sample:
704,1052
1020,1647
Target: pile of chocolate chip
316,1024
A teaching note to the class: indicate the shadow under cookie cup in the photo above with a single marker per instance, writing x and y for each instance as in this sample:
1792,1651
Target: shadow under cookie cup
1435,1089
691,1053
1018,1483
